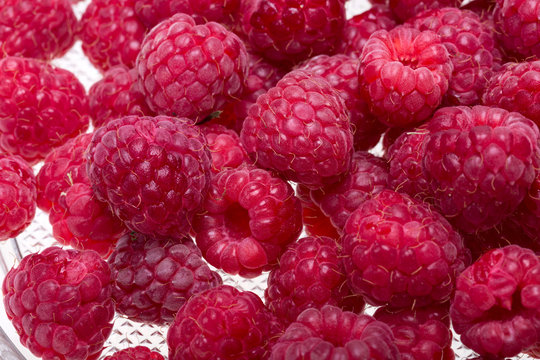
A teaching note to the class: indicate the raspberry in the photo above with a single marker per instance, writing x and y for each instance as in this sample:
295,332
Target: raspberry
292,31
399,252
341,71
359,28
135,353
189,70
153,172
153,278
528,213
471,45
330,333
309,274
250,218
496,307
111,33
59,301
17,195
405,9
225,146
367,177
117,94
300,128
36,29
41,108
315,222
404,74
483,8
479,163
222,323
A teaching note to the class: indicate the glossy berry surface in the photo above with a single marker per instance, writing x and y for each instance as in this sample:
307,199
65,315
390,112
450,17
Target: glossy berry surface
316,223
225,147
135,353
406,9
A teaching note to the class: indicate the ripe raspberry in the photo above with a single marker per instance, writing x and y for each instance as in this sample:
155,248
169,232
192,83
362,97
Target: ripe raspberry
528,213
250,218
471,45
17,195
405,9
135,353
330,333
153,278
292,31
496,307
36,29
225,147
300,128
59,301
41,108
111,33
153,172
189,70
117,94
222,323
315,222
367,177
420,334
359,28
341,71
404,74
479,163
399,252
309,274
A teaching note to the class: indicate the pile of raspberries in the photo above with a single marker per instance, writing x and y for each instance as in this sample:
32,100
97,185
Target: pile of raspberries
391,159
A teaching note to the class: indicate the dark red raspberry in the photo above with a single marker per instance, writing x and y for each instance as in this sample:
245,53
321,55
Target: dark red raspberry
404,74
359,28
153,172
309,274
222,323
292,31
225,147
189,70
341,71
472,48
111,33
60,303
496,308
399,252
479,163
300,128
249,219
420,333
36,29
367,177
331,333
528,213
41,107
315,222
117,94
153,278
405,9
135,353
17,195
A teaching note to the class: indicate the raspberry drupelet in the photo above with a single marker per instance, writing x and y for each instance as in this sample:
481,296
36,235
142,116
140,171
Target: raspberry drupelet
135,353
225,147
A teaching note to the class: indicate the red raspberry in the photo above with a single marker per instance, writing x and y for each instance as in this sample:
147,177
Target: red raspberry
59,301
528,213
111,33
330,333
292,31
117,94
405,9
399,252
17,195
225,146
300,128
472,48
341,71
404,74
479,163
367,177
483,8
135,353
51,97
496,308
153,172
315,222
309,274
36,29
222,323
359,28
153,278
189,70
250,218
